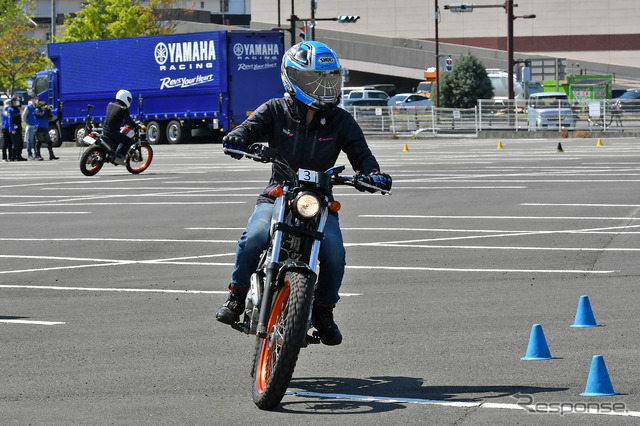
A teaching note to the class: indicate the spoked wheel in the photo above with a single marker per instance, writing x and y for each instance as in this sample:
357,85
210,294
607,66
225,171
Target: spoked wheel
139,159
92,160
276,355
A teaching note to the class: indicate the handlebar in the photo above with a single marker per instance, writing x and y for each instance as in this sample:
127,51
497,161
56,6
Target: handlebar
355,182
265,154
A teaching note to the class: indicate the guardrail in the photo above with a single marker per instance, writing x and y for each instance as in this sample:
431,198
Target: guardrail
589,116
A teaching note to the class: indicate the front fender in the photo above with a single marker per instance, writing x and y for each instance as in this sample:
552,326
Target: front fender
298,267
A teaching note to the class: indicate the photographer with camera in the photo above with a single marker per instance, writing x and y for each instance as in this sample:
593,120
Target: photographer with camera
43,114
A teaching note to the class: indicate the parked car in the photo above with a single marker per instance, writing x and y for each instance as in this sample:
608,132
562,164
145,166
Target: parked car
347,90
550,110
616,93
628,102
410,100
367,94
363,106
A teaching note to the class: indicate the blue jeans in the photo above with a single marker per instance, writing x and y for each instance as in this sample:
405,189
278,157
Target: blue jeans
30,136
255,239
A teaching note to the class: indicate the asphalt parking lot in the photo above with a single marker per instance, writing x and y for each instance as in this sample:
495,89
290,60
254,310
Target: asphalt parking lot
109,284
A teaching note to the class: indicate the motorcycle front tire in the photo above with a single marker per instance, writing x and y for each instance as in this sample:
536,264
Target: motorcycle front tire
92,160
139,159
276,355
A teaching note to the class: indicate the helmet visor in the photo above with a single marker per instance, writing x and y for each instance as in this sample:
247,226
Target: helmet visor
321,85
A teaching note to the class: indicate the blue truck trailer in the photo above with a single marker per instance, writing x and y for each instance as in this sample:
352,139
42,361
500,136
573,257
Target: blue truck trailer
180,82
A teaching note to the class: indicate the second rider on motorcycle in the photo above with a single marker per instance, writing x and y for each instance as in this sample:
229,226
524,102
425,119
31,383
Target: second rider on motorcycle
309,131
117,113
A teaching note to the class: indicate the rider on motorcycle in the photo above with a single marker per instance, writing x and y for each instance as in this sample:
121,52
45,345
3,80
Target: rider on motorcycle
309,131
117,113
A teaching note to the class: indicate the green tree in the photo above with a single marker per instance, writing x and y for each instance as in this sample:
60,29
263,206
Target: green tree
468,82
19,58
12,13
100,19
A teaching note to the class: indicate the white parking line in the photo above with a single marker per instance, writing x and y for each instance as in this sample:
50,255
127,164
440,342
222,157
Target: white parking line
17,321
417,216
125,240
426,268
579,205
46,212
129,290
426,246
506,234
154,203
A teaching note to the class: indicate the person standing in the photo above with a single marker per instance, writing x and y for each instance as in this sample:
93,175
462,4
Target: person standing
7,143
15,127
43,113
29,119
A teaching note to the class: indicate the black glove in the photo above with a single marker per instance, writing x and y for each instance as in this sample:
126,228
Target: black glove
234,142
377,179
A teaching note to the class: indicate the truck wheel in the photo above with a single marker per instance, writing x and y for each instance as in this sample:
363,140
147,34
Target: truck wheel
80,133
174,132
155,133
56,137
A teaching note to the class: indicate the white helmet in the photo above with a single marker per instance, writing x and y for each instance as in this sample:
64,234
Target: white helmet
124,96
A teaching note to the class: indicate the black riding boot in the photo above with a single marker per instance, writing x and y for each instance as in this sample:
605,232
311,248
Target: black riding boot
322,319
230,311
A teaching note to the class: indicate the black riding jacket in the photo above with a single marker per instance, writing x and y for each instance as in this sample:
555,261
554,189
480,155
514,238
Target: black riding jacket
314,147
117,113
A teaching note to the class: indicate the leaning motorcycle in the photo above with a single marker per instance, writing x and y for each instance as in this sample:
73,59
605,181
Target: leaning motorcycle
278,303
138,157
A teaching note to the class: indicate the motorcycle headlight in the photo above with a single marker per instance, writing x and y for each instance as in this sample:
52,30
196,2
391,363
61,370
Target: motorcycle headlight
307,205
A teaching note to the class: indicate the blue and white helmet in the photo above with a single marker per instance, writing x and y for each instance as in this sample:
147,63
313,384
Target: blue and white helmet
312,74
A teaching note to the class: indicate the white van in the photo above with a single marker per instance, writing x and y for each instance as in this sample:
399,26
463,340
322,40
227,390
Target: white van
500,81
550,110
367,94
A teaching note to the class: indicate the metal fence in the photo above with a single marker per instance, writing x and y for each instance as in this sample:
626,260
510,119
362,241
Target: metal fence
587,116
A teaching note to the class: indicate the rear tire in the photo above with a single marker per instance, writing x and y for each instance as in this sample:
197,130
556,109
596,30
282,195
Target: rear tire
276,355
92,160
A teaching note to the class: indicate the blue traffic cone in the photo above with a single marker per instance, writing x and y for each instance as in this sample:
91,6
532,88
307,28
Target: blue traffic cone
598,383
584,315
537,348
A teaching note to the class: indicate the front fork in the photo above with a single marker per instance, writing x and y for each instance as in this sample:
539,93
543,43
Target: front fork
273,267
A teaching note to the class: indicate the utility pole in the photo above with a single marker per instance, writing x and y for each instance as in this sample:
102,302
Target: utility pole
294,19
437,16
508,8
312,33
53,19
510,18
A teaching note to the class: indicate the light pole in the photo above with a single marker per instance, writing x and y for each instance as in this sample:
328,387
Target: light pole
437,16
510,18
508,8
53,19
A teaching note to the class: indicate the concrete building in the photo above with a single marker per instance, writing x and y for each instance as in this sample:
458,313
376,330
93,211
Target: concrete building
228,12
599,36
